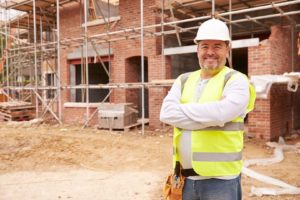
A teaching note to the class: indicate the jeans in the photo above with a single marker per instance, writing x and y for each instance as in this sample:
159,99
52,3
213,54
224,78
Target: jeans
212,189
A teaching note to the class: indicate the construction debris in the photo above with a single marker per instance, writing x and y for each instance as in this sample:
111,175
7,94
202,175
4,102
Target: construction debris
30,123
263,83
278,156
294,80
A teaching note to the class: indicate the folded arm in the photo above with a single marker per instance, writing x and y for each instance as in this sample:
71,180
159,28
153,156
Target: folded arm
233,103
193,116
172,113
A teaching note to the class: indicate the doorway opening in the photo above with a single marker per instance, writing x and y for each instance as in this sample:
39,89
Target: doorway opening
133,73
240,60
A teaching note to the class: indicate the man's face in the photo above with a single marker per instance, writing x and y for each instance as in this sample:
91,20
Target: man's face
212,54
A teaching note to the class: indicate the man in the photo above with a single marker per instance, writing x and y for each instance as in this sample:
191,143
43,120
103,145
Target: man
207,108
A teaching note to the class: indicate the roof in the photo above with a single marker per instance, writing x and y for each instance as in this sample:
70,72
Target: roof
45,12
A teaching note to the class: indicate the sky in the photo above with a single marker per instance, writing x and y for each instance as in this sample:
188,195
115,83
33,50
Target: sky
11,13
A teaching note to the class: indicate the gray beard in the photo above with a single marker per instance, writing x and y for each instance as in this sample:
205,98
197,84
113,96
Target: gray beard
209,68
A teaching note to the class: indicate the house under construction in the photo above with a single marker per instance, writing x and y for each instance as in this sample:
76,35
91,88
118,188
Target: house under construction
68,57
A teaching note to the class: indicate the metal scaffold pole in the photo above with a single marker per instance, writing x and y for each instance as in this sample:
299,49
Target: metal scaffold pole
35,60
6,53
230,31
58,62
20,74
142,67
163,62
213,8
86,60
2,52
109,45
41,56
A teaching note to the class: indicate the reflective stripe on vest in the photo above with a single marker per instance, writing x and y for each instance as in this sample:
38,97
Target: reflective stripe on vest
229,126
185,76
220,157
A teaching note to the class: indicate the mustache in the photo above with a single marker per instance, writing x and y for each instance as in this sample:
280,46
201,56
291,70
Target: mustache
214,57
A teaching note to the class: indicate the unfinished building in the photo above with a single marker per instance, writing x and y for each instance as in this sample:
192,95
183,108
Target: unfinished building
68,57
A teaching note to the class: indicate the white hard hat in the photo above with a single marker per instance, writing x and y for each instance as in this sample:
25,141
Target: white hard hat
212,29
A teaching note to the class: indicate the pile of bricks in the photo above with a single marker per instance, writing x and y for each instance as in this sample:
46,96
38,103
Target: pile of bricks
16,111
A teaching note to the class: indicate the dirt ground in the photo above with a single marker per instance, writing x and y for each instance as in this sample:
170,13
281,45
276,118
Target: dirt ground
67,162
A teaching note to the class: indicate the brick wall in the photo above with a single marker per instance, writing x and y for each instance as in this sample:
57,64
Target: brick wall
129,11
259,119
281,109
131,48
259,59
272,55
271,117
156,95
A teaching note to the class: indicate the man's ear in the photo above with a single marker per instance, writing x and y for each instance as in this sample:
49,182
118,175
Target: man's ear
228,47
198,50
228,51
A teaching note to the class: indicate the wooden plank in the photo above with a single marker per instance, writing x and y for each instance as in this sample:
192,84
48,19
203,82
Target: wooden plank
17,110
171,81
4,114
14,104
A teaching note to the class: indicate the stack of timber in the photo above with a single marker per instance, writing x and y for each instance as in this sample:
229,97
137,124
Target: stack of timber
16,111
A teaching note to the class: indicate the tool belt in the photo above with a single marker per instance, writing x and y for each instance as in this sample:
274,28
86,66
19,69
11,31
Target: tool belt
188,172
173,186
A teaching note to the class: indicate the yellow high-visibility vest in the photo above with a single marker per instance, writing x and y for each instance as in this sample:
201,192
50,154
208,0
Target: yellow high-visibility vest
216,151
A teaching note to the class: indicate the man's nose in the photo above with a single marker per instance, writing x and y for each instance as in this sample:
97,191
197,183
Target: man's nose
210,51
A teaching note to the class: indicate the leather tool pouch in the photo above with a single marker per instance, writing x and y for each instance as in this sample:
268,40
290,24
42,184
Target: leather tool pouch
173,186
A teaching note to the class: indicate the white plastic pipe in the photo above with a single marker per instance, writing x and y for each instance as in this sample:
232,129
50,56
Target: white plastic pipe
266,179
271,191
278,156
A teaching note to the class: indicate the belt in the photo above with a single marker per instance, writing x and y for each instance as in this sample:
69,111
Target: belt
188,172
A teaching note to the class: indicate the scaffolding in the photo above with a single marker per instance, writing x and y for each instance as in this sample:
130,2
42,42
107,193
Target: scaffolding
32,42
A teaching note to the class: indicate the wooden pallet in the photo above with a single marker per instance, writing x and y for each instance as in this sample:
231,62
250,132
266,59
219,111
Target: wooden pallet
16,111
17,118
131,126
127,128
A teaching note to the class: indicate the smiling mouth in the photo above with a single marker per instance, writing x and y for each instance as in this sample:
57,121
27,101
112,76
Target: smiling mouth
210,59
